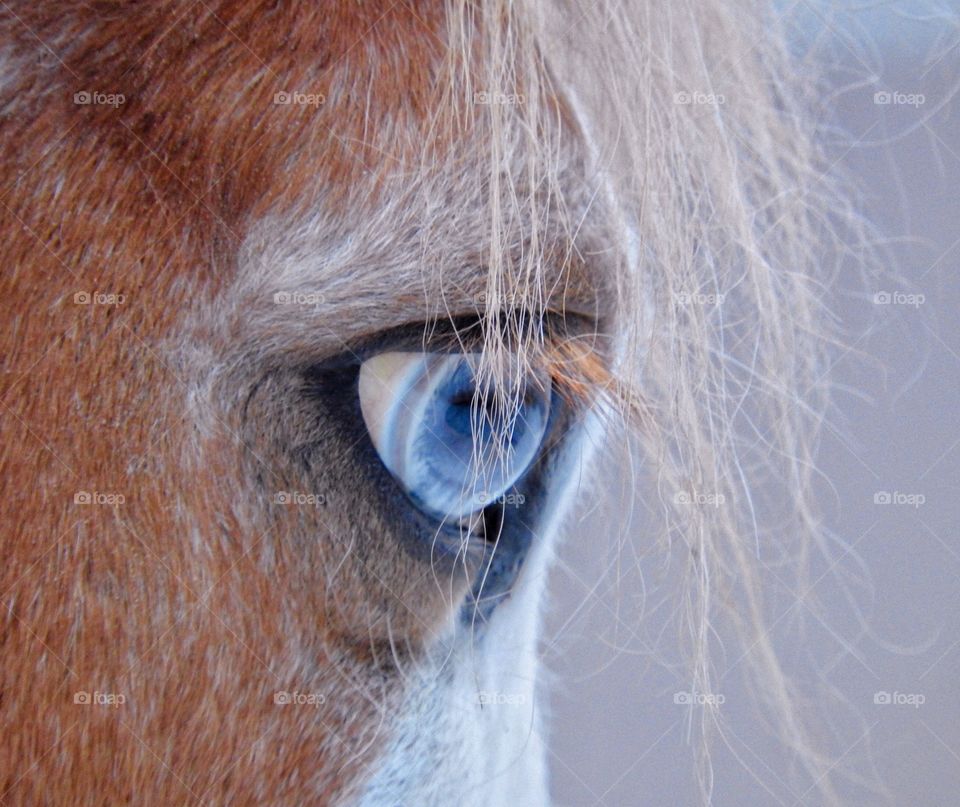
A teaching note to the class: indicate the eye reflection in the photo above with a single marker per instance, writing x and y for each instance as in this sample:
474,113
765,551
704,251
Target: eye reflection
454,448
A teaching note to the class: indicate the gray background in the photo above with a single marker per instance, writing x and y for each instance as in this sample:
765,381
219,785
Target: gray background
890,616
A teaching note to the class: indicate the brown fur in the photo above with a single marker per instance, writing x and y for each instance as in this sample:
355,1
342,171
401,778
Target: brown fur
195,613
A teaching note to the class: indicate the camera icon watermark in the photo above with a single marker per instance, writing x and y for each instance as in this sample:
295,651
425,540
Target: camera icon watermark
698,298
94,98
896,98
899,298
98,298
487,98
897,497
699,698
91,497
112,699
294,497
698,498
914,699
305,298
284,698
284,98
486,698
506,499
697,98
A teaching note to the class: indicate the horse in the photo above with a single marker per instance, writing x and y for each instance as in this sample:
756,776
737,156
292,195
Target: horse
317,317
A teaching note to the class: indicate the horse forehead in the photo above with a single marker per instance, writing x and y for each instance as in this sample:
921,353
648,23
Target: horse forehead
314,134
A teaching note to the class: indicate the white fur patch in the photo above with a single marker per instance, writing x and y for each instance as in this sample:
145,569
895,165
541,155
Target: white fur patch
472,733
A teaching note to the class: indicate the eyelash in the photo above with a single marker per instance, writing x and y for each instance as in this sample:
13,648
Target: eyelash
462,334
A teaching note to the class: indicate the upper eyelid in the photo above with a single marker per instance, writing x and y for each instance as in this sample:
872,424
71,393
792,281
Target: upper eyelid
458,334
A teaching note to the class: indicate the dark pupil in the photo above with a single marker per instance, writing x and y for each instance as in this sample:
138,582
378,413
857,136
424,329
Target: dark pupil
462,416
459,393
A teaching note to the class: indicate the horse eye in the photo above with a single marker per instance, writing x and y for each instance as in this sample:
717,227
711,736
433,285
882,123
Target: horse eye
453,447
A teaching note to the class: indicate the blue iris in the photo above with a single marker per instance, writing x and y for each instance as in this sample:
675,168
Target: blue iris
453,447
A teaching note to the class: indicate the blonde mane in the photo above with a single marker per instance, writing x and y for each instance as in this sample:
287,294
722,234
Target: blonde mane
699,181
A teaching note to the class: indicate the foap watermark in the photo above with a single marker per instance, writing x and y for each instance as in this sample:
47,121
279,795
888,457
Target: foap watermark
98,497
914,699
294,497
314,298
507,300
486,98
487,698
702,499
699,698
314,699
899,298
698,298
314,99
505,499
697,98
113,699
98,298
95,98
898,497
897,98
